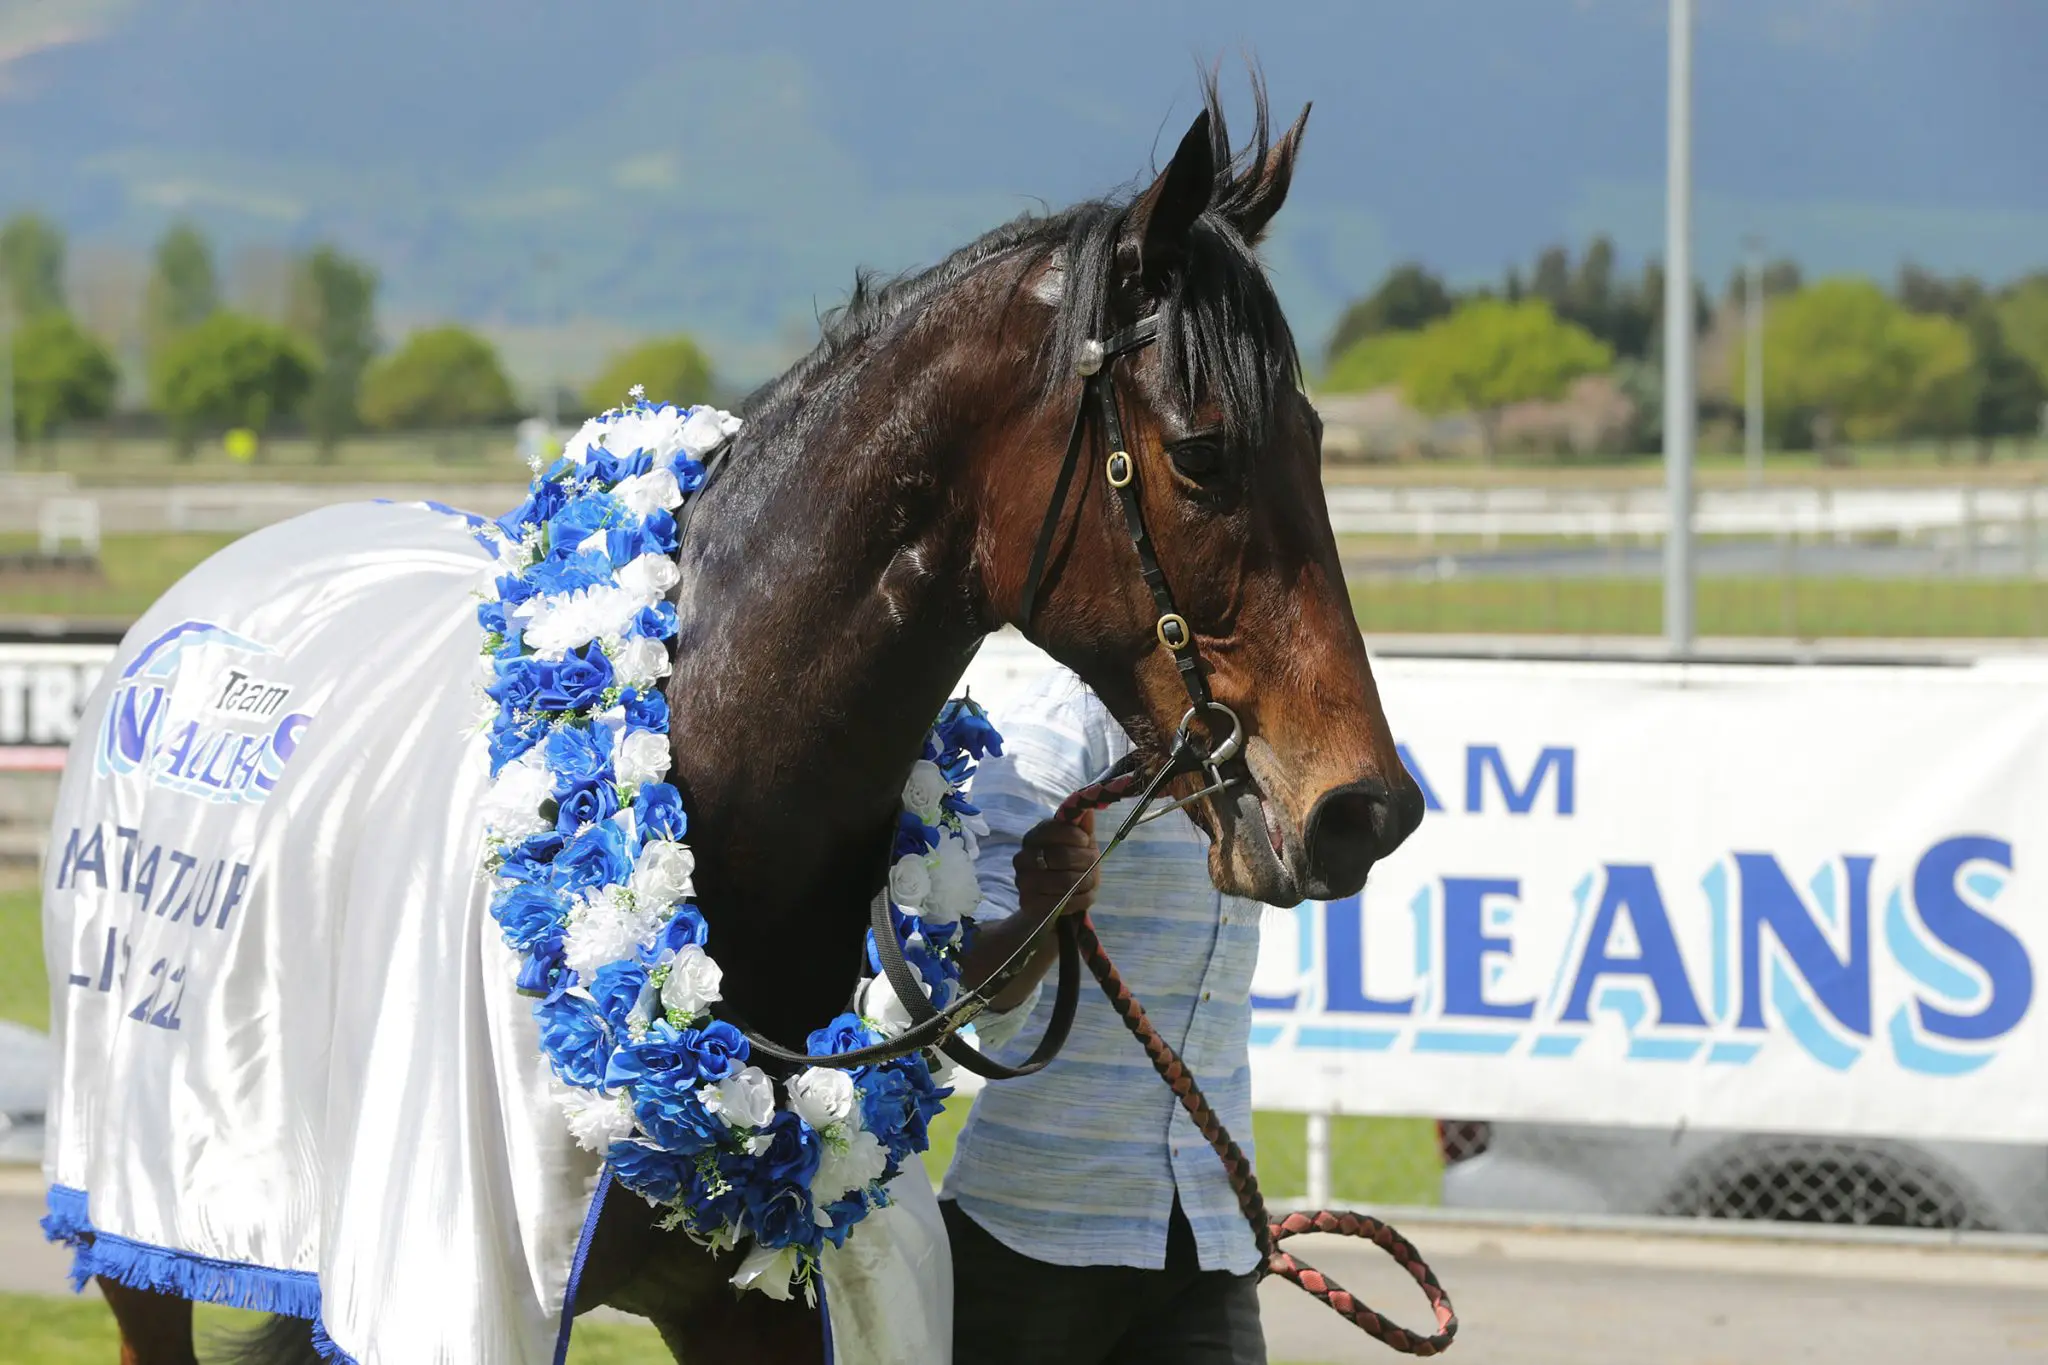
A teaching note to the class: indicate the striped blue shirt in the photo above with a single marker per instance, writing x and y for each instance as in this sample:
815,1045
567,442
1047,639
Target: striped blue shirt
1079,1164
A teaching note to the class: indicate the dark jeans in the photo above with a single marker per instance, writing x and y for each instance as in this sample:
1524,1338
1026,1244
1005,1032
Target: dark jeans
1009,1309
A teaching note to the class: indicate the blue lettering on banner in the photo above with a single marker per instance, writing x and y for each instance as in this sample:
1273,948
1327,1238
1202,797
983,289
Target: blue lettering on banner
1556,765
1788,965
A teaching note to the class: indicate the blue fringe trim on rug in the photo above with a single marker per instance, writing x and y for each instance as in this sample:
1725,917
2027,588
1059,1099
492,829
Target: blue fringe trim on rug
292,1293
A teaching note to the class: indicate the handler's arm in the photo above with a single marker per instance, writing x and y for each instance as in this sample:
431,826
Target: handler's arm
1050,859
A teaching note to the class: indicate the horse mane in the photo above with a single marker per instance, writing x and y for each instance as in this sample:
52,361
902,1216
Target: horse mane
1223,335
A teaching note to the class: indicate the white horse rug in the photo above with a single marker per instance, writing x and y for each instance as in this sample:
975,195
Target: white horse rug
295,1073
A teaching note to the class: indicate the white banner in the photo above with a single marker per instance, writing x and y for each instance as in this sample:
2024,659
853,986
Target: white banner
42,689
1762,898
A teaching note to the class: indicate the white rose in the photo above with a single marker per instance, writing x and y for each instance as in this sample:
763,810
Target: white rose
639,756
882,1007
705,428
591,433
693,981
745,1101
844,1169
661,874
922,791
512,806
597,1121
640,662
648,578
909,883
768,1269
955,888
646,493
822,1096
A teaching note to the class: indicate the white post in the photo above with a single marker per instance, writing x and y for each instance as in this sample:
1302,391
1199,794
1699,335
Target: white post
1679,416
1753,356
1319,1161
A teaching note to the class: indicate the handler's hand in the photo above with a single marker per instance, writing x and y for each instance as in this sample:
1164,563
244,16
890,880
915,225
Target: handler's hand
1052,859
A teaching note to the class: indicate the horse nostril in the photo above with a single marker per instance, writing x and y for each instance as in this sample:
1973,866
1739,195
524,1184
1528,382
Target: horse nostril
1349,829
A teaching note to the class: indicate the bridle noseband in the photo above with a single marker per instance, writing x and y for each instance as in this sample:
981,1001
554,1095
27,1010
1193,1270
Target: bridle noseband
934,1027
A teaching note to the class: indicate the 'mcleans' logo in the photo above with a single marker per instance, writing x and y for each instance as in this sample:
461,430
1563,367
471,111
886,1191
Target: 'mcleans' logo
1702,964
234,749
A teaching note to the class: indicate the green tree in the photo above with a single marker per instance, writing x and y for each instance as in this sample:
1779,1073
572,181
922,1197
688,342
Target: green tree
1849,359
334,306
31,265
61,373
1948,296
2023,316
2010,392
671,369
441,378
1491,353
1407,300
230,371
1371,362
183,290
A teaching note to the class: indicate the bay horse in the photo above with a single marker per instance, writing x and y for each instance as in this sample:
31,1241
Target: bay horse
877,519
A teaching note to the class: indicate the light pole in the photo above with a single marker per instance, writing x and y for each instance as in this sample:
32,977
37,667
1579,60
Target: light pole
6,377
1679,415
1753,362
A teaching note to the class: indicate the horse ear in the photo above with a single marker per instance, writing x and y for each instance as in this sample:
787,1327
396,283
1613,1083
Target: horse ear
1268,191
1156,231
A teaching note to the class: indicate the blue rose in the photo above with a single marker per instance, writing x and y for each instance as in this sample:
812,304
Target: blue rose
963,725
569,572
528,915
886,1107
602,467
575,682
689,474
677,1120
791,1158
617,988
532,859
579,756
715,1190
844,1034
645,710
659,810
516,683
844,1213
660,532
914,835
657,622
544,972
491,616
542,501
626,543
686,927
586,806
586,513
634,465
721,1050
514,588
784,1219
510,738
598,856
650,1172
572,1034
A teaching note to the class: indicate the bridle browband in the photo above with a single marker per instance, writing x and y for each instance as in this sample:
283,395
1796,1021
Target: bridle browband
939,1027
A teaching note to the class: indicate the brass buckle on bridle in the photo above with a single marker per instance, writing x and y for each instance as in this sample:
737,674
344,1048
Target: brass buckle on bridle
1212,762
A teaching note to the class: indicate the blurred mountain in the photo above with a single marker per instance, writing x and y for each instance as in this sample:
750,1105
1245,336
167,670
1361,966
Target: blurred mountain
634,165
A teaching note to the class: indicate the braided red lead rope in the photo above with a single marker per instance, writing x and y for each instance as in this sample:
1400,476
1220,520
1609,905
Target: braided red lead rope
1243,1182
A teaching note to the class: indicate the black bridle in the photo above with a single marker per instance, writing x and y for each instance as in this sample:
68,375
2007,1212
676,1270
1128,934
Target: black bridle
939,1027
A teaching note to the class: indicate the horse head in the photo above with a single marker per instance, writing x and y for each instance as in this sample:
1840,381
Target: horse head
1227,453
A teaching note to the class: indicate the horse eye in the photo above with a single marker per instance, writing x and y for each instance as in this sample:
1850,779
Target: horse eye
1199,458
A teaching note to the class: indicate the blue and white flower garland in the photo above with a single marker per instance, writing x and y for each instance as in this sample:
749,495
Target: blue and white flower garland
593,880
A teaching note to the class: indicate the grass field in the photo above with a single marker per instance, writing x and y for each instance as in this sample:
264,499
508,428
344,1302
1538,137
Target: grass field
138,568
1800,608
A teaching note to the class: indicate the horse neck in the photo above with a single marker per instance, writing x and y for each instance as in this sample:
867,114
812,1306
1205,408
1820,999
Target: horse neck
828,608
